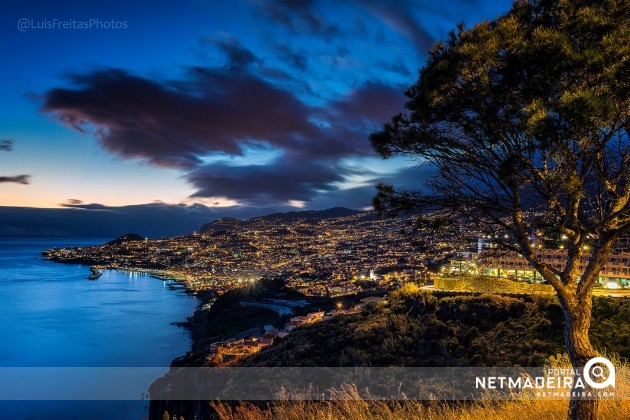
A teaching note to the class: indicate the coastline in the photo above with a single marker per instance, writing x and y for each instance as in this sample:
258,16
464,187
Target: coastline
160,274
119,320
156,273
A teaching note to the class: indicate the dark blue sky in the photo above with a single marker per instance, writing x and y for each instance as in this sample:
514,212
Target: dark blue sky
240,107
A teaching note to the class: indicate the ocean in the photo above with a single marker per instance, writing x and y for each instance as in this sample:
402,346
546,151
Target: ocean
52,316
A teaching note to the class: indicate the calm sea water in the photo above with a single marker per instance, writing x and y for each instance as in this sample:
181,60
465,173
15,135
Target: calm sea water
51,315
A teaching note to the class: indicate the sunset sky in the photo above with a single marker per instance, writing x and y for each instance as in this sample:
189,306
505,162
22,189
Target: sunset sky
219,108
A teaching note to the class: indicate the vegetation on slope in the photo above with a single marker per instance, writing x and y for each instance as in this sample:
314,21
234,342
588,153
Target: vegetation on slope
417,328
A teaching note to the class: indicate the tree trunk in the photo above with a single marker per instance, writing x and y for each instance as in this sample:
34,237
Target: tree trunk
578,322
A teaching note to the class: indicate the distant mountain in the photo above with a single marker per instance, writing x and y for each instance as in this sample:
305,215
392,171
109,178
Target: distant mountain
129,237
222,224
313,214
230,223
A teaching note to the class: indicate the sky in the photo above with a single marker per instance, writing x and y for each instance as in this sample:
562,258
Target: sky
163,114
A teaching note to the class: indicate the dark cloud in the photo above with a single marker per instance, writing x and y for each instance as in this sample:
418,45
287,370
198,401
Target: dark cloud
73,201
81,205
411,179
374,102
343,51
278,183
275,74
294,58
238,57
226,111
360,28
173,124
6,145
353,198
299,17
400,16
18,179
397,66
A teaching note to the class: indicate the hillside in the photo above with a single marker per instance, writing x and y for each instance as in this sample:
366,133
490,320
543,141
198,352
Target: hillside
313,214
129,237
417,328
229,223
227,318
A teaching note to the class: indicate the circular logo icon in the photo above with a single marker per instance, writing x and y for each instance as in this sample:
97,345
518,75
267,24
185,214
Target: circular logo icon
591,370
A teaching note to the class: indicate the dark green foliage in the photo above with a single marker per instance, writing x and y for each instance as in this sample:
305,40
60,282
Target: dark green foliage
524,122
227,318
419,329
610,325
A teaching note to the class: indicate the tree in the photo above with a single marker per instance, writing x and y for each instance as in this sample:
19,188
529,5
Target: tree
524,121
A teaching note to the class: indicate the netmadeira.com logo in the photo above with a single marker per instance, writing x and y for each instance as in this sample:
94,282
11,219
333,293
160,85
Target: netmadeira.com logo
591,369
596,379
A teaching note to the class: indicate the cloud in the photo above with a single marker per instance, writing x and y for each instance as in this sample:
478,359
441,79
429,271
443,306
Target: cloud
396,65
278,183
233,112
172,124
374,102
6,145
353,198
78,204
18,179
314,168
295,59
412,178
299,17
72,201
238,57
400,16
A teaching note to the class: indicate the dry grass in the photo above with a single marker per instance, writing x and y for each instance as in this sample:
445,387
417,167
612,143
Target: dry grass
349,406
366,410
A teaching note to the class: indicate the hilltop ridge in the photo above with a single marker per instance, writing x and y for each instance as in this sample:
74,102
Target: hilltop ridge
129,237
229,223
